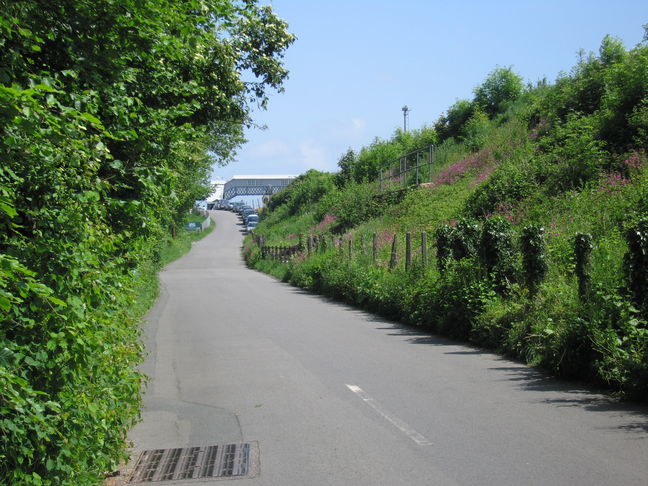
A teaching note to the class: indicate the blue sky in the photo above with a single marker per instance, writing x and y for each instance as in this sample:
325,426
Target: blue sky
357,62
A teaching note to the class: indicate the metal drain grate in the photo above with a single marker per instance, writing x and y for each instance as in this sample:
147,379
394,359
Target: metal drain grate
196,463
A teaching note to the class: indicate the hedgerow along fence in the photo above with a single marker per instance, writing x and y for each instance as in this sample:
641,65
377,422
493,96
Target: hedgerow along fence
493,245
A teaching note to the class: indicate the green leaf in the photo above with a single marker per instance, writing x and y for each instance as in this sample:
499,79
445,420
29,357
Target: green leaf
5,355
8,210
92,119
56,301
5,303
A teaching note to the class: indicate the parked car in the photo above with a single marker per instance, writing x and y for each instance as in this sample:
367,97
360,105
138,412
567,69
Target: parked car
247,212
250,226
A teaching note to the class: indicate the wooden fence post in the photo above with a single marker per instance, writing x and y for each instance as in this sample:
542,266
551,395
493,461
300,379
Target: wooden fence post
394,260
350,247
374,250
424,249
408,251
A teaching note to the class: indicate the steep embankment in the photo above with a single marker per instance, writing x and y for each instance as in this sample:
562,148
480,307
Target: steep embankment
533,209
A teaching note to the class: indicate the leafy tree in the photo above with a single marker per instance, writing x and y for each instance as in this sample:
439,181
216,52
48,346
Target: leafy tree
501,87
611,51
624,104
346,167
452,123
371,159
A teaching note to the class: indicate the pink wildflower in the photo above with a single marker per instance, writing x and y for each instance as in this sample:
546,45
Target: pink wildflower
510,212
634,161
614,182
453,172
483,175
385,238
327,220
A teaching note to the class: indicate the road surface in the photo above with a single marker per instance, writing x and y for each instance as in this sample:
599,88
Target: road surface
335,396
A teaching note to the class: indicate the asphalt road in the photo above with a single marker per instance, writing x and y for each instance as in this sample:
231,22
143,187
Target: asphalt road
336,396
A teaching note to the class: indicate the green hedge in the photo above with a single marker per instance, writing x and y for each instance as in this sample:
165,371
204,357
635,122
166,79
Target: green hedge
108,114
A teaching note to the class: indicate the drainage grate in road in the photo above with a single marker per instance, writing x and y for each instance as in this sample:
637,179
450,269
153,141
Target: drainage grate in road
196,463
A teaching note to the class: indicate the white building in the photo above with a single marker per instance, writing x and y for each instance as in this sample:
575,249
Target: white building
218,187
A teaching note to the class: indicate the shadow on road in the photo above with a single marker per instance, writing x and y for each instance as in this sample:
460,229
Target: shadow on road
560,392
572,394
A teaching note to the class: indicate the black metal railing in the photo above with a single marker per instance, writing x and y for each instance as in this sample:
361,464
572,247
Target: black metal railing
410,169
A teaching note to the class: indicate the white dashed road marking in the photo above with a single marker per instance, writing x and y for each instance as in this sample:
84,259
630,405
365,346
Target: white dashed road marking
396,422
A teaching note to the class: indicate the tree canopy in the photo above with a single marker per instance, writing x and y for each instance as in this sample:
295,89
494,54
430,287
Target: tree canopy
502,86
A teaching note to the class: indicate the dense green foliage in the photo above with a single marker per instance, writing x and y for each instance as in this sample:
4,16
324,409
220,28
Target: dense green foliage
534,257
536,215
107,112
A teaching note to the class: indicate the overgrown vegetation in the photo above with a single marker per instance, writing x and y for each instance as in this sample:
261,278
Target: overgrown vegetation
535,211
107,113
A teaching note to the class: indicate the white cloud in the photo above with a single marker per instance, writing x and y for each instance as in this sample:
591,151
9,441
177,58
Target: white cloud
271,148
313,146
314,156
346,131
